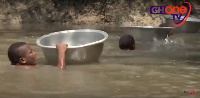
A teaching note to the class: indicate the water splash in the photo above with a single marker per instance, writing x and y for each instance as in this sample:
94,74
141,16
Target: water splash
168,44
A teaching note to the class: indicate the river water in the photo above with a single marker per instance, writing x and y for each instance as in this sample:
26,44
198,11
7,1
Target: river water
153,70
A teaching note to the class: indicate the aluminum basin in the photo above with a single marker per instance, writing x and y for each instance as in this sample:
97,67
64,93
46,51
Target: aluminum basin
191,25
84,45
147,33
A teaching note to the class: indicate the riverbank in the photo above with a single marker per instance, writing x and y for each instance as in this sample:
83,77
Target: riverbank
80,12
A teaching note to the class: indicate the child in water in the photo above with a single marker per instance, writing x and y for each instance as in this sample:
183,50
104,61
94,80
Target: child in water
21,55
165,25
127,42
161,34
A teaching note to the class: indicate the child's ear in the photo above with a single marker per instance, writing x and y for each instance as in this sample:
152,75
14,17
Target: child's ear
22,60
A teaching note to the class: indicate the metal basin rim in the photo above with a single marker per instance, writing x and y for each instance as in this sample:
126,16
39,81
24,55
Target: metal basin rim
69,31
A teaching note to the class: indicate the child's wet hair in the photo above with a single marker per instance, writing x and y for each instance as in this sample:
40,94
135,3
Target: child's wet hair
14,54
163,25
127,42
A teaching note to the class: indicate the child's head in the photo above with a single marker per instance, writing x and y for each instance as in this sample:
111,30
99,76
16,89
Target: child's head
20,53
127,42
165,25
161,34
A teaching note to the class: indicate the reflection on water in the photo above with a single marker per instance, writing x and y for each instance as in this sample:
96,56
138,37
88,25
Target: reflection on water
158,69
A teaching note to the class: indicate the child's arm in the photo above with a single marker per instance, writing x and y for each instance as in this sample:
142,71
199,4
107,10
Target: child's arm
61,48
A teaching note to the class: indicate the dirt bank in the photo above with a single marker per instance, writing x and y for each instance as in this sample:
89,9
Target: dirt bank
119,12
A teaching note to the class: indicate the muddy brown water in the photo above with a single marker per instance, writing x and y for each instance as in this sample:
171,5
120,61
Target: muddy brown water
153,70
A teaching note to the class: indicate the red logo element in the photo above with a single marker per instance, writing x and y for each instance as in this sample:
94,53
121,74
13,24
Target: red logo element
183,21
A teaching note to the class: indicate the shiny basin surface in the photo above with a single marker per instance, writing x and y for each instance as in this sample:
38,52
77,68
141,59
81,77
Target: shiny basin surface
84,45
147,33
191,25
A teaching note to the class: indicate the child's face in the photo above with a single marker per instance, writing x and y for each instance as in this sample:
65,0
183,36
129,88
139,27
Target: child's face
29,55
